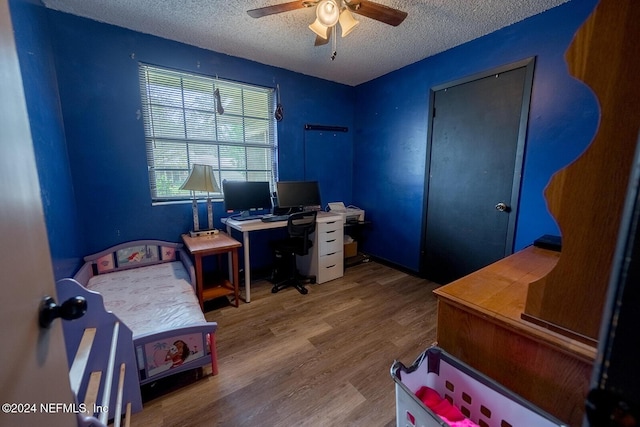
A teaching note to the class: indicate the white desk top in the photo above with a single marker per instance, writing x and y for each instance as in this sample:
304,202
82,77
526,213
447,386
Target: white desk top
257,224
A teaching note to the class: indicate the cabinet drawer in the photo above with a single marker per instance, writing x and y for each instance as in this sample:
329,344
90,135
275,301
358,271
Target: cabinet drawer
331,226
330,267
329,243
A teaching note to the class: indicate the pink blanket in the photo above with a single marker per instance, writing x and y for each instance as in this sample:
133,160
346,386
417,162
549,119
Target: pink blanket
443,408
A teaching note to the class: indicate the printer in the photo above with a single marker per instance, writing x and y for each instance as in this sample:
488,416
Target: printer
349,214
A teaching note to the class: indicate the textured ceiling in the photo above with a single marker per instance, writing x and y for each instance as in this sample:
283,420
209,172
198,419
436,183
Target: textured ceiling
284,40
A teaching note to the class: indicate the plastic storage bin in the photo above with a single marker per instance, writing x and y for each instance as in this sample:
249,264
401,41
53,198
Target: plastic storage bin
479,398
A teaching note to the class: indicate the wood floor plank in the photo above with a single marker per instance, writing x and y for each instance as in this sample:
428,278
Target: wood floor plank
320,359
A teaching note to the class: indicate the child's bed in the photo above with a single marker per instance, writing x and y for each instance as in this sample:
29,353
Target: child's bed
149,285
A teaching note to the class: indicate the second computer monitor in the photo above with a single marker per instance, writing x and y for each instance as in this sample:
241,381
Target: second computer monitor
298,194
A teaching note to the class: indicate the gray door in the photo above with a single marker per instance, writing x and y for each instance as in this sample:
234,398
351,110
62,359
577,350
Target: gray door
474,166
34,364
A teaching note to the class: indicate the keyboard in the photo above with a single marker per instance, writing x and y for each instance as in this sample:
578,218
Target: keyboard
274,218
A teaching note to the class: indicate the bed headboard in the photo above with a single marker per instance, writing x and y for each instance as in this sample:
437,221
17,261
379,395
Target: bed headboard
132,254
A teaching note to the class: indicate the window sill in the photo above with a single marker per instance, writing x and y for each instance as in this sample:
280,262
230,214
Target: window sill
182,202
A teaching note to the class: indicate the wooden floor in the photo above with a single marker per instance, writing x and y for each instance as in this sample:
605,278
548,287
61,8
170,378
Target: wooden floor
320,359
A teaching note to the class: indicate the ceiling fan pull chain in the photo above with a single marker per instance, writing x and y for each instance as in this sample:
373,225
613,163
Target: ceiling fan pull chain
333,42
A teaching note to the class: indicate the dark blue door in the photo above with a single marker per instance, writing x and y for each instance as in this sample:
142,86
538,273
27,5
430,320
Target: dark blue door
474,172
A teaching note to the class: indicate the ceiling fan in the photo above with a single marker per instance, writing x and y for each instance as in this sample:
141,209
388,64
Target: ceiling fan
331,12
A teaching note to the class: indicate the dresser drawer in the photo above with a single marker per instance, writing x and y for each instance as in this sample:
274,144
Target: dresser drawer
331,226
330,267
326,258
329,243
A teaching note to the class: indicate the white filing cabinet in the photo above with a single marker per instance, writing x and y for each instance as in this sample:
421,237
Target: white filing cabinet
325,259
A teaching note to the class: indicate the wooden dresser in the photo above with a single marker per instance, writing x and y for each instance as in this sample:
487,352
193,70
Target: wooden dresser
479,322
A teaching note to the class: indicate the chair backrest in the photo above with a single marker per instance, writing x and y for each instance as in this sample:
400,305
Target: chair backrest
301,225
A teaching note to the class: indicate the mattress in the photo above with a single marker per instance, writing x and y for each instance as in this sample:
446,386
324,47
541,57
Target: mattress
150,299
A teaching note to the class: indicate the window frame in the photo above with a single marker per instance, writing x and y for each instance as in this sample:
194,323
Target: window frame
248,113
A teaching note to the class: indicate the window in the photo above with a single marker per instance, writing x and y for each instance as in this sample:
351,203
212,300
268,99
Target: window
184,125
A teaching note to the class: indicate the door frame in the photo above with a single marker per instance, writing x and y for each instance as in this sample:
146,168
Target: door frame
529,65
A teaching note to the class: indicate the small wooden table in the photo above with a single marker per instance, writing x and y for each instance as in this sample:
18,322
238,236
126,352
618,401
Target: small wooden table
214,245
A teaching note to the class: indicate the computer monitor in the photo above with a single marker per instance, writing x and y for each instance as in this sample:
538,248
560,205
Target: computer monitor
298,194
246,197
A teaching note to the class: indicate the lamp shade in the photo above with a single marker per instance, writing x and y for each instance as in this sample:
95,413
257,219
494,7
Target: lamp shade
201,178
347,22
328,13
319,29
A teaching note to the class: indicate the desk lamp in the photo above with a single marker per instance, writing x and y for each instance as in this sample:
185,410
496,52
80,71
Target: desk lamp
201,178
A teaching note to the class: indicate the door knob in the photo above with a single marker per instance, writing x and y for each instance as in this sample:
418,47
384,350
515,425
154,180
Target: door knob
502,207
71,309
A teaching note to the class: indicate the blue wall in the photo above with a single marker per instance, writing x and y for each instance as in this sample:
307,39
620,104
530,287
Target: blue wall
391,129
35,53
81,84
97,66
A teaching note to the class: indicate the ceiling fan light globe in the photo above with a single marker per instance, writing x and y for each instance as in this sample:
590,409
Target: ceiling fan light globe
347,22
328,13
319,29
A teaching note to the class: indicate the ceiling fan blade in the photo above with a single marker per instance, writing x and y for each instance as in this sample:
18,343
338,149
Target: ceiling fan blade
279,8
377,11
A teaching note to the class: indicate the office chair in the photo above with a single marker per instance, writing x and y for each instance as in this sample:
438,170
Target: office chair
300,226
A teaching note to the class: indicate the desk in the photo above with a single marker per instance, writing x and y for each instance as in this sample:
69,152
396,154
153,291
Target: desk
245,227
214,245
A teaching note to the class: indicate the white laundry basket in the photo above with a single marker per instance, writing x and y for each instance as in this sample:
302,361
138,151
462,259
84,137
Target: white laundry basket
479,398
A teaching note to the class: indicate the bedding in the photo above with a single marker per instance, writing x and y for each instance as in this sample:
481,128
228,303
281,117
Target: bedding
150,299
